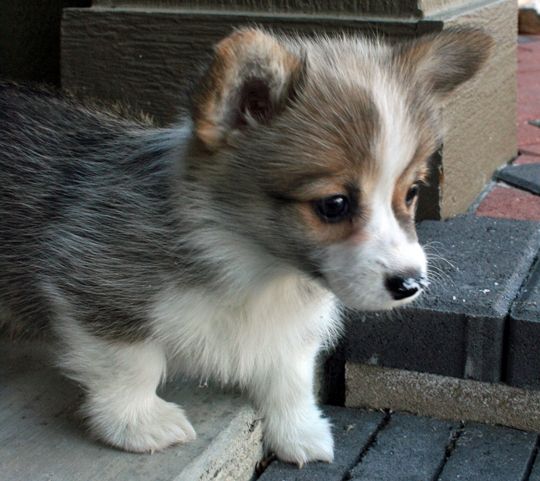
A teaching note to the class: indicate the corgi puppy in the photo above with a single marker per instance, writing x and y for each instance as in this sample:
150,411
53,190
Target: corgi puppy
224,246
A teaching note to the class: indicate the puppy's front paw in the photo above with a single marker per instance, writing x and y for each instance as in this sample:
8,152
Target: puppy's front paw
308,440
142,427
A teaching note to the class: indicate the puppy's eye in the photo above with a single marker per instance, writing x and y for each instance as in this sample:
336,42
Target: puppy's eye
412,193
332,209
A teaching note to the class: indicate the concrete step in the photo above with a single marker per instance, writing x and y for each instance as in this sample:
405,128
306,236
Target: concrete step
457,328
468,348
523,367
43,438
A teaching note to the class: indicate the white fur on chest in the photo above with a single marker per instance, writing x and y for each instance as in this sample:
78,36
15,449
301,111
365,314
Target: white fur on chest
233,337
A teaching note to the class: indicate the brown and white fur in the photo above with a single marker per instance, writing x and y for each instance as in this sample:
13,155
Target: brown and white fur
213,248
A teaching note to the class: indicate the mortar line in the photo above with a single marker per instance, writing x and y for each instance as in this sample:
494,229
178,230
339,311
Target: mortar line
480,197
448,450
531,461
506,326
372,440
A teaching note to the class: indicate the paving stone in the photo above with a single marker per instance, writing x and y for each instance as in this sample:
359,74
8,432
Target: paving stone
456,328
510,203
533,149
528,134
528,91
528,157
528,106
527,109
535,472
410,448
523,360
529,55
352,428
490,453
41,436
525,176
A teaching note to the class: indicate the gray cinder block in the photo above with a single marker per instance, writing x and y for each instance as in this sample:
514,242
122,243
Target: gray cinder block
457,327
525,176
523,360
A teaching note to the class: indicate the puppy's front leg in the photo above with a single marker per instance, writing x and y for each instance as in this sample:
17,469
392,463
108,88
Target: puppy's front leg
120,380
293,425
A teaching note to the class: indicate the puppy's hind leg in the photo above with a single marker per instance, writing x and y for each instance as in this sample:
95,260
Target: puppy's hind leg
121,379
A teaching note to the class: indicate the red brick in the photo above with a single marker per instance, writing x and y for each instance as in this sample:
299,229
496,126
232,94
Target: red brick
510,203
527,134
526,112
529,57
528,77
528,85
528,97
529,154
526,158
531,149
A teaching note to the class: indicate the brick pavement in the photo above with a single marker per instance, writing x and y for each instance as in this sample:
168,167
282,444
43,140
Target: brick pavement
510,202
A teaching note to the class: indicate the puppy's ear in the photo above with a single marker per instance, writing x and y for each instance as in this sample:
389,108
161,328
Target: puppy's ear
250,80
445,60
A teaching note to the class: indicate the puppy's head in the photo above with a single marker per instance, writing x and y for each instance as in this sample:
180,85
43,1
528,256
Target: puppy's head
315,150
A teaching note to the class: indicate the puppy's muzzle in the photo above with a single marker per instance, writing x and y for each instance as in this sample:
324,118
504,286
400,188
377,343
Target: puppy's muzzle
403,286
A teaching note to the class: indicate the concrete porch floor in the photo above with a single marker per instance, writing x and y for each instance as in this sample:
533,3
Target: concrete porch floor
43,437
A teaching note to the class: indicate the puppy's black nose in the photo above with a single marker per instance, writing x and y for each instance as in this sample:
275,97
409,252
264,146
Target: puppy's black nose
403,286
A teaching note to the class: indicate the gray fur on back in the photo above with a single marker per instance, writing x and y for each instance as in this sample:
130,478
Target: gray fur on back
85,206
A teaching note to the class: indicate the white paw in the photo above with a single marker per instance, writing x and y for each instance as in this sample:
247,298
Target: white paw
142,427
301,442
